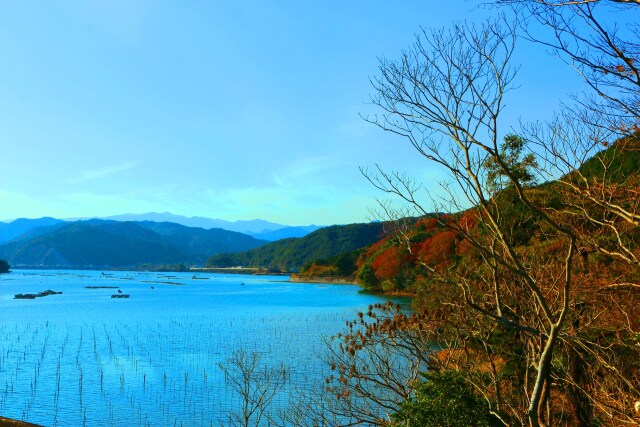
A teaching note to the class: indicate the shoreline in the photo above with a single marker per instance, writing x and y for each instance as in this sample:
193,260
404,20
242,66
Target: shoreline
296,278
238,270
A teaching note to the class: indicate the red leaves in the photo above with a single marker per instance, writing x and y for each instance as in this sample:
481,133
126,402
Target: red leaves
387,264
438,250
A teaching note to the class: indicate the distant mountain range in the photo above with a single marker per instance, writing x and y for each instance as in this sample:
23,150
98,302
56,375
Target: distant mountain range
18,227
128,241
293,253
105,243
285,233
258,228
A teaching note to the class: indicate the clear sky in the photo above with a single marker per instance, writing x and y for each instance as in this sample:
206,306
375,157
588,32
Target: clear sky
223,109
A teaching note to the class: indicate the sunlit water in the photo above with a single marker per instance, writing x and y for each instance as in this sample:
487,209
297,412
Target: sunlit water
84,358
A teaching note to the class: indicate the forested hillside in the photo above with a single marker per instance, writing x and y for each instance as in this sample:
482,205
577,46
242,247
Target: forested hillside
432,244
102,244
293,253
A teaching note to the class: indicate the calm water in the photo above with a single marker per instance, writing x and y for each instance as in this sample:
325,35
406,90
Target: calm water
84,358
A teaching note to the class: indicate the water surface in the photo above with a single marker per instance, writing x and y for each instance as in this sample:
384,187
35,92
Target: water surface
84,358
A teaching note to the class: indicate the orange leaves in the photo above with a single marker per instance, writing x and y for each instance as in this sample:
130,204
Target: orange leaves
394,263
388,263
630,129
320,270
373,249
469,220
428,223
438,250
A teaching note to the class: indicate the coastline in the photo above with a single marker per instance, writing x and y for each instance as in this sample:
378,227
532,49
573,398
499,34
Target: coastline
238,270
296,278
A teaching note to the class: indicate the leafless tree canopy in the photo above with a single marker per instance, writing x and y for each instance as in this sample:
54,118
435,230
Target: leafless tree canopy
445,96
603,51
256,386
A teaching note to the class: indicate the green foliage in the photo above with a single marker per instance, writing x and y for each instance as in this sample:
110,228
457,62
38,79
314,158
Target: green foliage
343,265
444,399
367,278
513,158
616,163
4,266
515,216
293,253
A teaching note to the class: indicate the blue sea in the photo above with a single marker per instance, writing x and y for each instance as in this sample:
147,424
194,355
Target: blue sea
83,358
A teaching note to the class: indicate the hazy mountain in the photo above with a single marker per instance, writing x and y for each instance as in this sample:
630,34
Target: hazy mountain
293,253
18,227
246,227
201,241
258,228
284,233
99,244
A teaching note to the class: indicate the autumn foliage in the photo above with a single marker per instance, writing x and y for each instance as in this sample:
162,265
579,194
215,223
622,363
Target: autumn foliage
528,300
456,325
390,265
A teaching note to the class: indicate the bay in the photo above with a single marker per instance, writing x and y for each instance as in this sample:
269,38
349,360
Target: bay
85,358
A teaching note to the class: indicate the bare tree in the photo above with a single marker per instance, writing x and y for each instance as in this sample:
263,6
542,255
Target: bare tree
445,95
597,197
600,200
257,386
569,2
603,51
374,363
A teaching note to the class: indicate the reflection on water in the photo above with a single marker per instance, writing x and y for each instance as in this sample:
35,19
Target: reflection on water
84,358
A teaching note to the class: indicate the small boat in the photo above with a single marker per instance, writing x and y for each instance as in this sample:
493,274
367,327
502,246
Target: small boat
120,296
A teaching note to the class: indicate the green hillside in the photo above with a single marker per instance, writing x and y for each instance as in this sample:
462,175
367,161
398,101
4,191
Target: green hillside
103,244
435,244
293,253
611,165
203,241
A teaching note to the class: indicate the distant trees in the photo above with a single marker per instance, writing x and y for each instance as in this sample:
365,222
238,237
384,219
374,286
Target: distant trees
538,315
293,253
4,266
340,266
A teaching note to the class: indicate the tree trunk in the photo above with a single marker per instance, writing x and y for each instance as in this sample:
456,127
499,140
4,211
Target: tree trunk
544,372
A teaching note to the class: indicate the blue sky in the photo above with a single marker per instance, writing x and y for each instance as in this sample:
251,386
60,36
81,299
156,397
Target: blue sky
232,110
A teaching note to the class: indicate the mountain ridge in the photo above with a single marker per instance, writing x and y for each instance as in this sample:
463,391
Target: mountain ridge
258,228
103,243
293,253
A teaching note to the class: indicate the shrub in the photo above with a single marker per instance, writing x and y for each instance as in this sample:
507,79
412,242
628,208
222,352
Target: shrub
444,399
